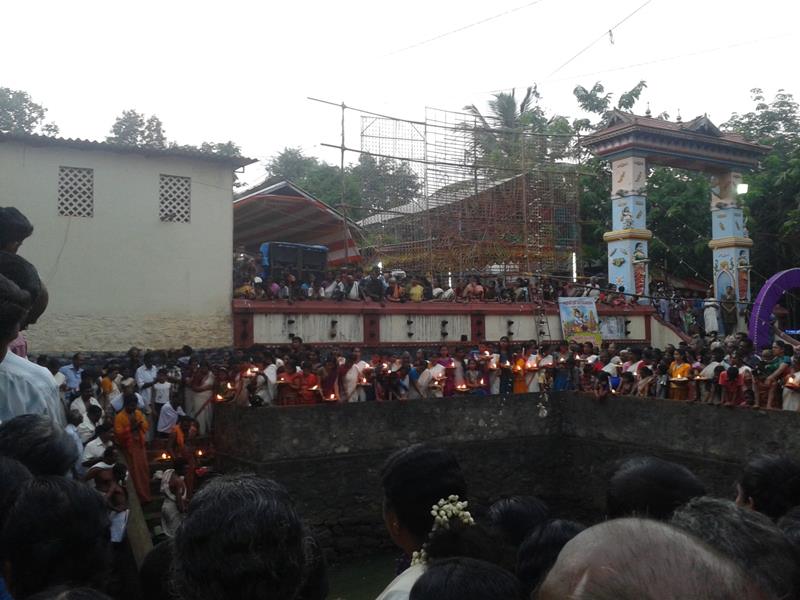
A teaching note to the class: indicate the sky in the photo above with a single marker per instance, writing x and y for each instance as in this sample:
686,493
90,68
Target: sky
243,71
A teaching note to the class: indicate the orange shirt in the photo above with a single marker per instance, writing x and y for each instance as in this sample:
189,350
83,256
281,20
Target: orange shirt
122,428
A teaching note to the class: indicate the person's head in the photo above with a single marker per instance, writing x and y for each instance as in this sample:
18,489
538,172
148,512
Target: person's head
77,359
155,572
14,305
241,539
105,432
40,445
25,276
778,348
297,343
74,417
161,376
770,484
627,377
465,579
130,402
632,559
13,475
748,538
14,229
733,373
414,479
94,413
514,517
650,487
539,550
57,531
85,390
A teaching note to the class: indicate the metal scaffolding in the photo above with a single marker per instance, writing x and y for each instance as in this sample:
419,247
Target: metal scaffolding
491,200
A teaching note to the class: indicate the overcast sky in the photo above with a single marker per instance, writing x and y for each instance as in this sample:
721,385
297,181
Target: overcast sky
238,70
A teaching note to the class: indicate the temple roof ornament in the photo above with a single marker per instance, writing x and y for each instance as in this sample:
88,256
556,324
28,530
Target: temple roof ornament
697,144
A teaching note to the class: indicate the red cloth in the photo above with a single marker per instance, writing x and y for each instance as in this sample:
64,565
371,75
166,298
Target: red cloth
732,390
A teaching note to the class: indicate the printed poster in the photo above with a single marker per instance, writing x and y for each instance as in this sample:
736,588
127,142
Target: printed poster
579,321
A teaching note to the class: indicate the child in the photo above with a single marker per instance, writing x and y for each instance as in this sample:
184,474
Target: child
732,385
662,381
474,378
161,392
586,381
602,388
627,384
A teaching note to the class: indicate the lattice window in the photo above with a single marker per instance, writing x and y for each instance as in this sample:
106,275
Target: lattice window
75,192
175,199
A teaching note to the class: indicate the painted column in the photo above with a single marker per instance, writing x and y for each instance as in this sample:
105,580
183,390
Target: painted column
627,241
730,243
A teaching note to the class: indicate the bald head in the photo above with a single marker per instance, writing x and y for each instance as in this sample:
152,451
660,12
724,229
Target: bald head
642,560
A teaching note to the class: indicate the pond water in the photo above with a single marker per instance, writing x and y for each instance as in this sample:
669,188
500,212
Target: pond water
361,579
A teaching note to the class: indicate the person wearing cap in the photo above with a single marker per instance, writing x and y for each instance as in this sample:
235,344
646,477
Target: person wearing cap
613,368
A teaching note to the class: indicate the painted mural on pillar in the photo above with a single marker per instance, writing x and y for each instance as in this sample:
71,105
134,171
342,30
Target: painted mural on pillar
743,267
640,261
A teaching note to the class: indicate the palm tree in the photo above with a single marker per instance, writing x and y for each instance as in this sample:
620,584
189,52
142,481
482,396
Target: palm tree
510,138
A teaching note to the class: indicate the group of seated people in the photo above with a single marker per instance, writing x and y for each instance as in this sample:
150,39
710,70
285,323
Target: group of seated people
661,535
729,372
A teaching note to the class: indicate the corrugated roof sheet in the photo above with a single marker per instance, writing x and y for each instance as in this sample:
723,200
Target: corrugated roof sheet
80,144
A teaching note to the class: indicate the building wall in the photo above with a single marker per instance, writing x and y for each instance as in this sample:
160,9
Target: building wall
124,277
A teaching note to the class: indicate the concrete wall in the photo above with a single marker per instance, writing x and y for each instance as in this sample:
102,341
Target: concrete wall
330,456
124,277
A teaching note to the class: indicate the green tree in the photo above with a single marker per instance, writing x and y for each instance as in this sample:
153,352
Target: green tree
153,135
129,129
385,183
513,136
20,114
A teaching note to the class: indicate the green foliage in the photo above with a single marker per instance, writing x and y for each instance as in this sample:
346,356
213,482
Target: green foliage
509,139
374,184
129,129
153,135
597,102
20,114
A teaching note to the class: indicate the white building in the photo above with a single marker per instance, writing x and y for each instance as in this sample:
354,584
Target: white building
133,244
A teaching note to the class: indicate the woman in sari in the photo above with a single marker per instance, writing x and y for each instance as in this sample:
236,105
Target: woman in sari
679,376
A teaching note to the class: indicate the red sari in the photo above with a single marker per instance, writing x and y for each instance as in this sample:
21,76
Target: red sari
133,445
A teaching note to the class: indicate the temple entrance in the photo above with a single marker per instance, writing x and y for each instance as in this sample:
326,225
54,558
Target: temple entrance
633,144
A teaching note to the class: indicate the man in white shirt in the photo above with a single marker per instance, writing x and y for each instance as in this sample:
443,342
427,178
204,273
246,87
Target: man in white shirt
169,415
94,450
25,387
146,379
73,420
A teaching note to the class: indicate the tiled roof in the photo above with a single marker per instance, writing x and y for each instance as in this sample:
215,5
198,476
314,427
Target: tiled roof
79,144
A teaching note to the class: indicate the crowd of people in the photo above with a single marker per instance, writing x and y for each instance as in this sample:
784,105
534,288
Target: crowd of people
662,535
694,313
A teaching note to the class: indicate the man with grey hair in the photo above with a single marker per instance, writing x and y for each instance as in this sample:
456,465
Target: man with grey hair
638,559
747,537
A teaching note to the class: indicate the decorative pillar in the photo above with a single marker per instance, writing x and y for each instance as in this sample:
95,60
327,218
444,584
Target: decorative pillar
627,242
730,243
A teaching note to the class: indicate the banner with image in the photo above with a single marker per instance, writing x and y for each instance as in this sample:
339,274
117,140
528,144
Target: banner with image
579,321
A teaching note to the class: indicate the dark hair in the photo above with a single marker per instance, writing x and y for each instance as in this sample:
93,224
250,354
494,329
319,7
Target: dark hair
789,524
516,516
155,572
65,593
315,584
57,531
416,478
85,385
645,372
773,482
94,411
749,538
241,539
627,376
465,579
733,373
36,442
470,541
650,487
14,305
539,551
21,272
14,226
102,428
12,475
